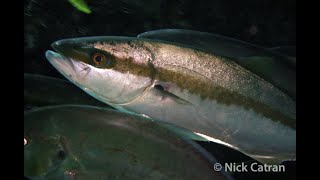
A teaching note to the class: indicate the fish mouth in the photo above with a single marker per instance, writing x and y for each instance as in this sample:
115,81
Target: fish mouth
63,64
64,59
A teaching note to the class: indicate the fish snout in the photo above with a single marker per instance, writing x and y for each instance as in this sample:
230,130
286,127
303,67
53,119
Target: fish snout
63,46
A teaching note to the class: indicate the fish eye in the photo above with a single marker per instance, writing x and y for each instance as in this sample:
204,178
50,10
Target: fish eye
98,58
25,142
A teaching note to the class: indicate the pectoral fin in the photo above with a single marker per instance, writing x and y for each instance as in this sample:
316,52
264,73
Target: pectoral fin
165,95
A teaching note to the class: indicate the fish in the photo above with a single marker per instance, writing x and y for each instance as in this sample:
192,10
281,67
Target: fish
88,142
40,90
276,65
206,93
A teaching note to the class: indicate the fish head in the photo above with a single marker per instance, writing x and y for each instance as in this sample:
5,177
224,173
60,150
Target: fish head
42,154
115,70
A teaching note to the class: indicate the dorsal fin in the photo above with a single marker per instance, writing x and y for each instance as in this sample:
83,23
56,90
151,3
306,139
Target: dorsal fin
213,43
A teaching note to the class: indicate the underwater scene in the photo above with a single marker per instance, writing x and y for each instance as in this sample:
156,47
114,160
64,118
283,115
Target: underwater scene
159,89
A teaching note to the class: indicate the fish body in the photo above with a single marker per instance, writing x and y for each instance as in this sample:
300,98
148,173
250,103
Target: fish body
276,65
86,142
207,93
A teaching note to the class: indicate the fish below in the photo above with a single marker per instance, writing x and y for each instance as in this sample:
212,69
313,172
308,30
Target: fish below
86,142
212,95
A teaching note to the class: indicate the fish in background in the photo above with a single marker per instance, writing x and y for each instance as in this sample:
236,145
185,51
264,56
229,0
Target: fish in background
40,90
86,142
226,98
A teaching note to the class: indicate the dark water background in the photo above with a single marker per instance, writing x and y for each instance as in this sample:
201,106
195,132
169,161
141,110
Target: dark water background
267,23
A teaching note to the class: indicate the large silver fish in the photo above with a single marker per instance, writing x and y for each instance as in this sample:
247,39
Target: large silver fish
207,93
83,142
